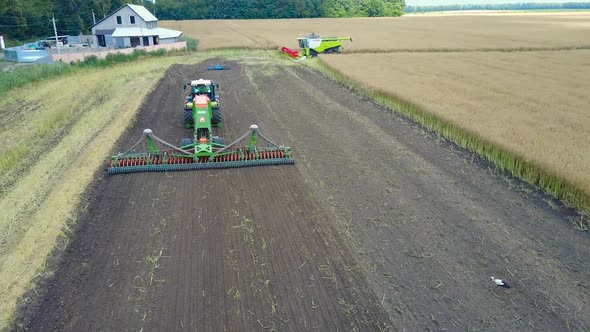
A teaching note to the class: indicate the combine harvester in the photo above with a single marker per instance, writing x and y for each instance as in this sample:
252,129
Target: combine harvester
203,151
312,45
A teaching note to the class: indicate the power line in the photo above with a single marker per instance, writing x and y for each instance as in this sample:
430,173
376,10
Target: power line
84,20
22,25
37,35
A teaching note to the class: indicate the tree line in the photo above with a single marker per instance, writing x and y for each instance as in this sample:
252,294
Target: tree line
505,6
26,19
261,9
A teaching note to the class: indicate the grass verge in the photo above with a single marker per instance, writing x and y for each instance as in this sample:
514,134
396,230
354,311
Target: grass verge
43,199
529,172
30,74
20,76
191,43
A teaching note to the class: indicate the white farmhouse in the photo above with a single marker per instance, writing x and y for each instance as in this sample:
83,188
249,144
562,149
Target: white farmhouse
131,26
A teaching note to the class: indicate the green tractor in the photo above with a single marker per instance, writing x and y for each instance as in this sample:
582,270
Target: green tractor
313,44
202,151
199,88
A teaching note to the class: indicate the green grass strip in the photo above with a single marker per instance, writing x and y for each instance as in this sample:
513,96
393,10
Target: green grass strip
29,74
36,73
528,171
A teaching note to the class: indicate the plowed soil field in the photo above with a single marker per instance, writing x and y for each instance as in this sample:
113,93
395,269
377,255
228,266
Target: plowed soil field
379,226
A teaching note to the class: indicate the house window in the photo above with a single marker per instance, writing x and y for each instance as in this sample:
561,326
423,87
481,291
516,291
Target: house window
132,19
119,20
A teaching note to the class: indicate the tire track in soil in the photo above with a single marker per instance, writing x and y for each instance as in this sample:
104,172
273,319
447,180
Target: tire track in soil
241,249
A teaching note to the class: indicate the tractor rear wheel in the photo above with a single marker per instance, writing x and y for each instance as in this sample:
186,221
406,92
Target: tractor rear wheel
216,117
185,142
188,118
218,140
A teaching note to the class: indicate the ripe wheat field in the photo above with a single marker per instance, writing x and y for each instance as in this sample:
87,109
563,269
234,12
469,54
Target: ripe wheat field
411,32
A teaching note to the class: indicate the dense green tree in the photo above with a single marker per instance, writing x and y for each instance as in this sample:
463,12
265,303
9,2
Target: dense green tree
374,8
307,8
336,8
14,23
394,8
504,6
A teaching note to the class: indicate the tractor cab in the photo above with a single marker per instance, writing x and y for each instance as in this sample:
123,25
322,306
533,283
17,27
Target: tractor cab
203,87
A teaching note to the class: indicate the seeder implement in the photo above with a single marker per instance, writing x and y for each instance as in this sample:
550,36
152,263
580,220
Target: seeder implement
202,153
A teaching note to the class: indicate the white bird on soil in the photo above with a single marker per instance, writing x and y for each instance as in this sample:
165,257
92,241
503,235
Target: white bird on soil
500,282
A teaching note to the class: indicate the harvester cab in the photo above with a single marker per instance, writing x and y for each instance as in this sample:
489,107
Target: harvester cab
314,44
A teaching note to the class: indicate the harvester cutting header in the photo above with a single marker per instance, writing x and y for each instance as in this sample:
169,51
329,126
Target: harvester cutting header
203,150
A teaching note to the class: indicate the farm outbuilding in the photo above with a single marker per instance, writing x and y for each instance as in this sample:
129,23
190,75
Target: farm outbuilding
131,26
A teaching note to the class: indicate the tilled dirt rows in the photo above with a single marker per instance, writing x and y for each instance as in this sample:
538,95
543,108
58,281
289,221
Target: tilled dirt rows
377,226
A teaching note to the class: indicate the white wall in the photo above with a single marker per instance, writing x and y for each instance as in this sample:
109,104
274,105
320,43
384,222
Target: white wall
122,42
79,56
168,41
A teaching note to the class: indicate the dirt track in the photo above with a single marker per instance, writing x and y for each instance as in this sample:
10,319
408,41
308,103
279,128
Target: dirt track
378,224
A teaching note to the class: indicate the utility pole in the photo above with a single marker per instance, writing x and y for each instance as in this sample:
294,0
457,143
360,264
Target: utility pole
93,18
56,40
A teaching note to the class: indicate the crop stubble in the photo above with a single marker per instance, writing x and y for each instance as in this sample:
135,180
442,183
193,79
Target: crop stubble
533,104
411,32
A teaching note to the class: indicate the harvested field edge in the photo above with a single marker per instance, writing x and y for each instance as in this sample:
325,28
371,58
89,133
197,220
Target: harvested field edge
466,50
239,50
504,160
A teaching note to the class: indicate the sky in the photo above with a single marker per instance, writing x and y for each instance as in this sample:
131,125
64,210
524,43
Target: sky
479,2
